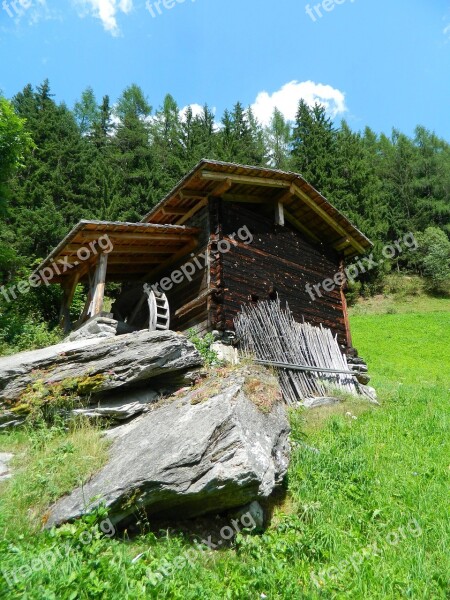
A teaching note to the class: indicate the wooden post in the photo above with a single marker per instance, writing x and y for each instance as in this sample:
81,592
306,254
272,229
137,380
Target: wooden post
279,213
99,285
348,333
69,288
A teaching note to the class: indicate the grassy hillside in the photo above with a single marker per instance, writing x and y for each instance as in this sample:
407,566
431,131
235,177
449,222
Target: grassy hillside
366,517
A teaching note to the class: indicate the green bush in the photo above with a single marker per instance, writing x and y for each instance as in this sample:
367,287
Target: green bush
353,293
203,345
17,336
434,259
402,285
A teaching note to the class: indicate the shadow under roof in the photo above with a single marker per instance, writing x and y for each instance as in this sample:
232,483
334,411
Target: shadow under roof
305,208
134,249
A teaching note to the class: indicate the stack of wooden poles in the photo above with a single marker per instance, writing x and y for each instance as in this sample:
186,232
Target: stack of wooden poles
308,359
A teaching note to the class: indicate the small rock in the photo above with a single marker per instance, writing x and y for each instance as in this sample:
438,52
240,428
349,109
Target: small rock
363,378
96,327
256,512
370,393
226,353
5,458
317,402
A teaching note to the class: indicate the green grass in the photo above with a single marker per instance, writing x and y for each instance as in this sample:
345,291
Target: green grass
373,504
48,463
393,305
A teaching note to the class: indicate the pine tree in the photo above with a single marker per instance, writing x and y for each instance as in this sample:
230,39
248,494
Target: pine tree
86,112
132,159
240,139
432,180
277,137
50,194
313,153
357,190
198,136
167,146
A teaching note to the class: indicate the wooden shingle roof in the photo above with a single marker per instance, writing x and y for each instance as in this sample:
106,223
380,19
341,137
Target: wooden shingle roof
305,208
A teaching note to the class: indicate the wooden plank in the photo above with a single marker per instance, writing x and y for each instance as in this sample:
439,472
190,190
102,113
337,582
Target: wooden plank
222,187
327,218
296,223
150,236
245,198
178,212
193,211
183,252
341,243
286,196
190,306
129,249
127,259
279,214
245,179
192,194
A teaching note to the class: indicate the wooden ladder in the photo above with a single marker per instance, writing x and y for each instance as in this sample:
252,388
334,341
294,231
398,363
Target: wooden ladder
159,310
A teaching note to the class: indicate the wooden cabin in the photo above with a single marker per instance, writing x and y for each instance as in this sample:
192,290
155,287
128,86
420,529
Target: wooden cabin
226,235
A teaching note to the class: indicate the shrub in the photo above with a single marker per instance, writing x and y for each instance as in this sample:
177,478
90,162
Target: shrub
203,345
353,293
403,285
434,258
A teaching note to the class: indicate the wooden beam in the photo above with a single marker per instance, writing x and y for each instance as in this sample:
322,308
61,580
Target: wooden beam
192,194
348,333
184,252
130,268
87,305
222,187
117,237
286,196
100,279
129,260
69,288
341,243
249,199
327,218
245,179
296,223
125,249
192,212
178,212
279,214
190,306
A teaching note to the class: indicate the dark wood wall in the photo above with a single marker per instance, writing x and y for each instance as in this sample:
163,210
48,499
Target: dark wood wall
186,292
278,260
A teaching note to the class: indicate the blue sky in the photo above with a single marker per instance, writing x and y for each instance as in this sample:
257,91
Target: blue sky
374,62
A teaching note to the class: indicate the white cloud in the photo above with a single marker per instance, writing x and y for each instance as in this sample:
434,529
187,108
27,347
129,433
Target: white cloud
197,110
447,30
106,11
287,98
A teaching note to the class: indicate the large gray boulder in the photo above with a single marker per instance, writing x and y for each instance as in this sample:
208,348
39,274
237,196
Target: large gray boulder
219,447
106,363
